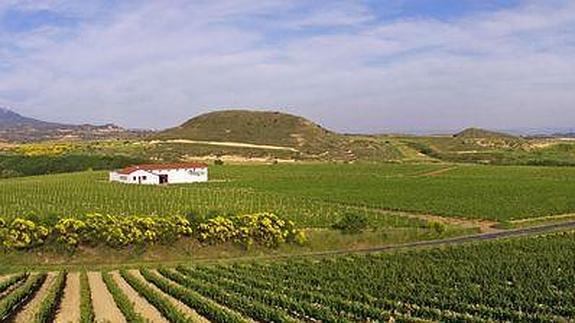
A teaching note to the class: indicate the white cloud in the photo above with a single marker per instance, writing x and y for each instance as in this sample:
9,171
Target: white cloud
158,63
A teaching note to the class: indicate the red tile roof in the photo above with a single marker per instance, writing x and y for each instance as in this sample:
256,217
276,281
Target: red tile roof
148,167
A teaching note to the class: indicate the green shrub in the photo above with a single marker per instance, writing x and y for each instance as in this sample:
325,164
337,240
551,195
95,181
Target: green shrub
352,223
437,227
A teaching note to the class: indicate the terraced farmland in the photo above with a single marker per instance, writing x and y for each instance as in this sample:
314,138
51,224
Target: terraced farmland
520,279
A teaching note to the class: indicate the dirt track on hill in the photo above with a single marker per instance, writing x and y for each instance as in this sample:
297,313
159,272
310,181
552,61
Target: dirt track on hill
105,308
225,144
69,310
437,172
26,315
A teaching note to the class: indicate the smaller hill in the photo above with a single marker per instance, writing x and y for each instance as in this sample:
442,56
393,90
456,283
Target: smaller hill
478,133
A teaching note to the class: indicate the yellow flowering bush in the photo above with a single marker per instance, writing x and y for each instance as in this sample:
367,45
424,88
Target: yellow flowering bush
69,231
263,229
22,234
216,230
118,231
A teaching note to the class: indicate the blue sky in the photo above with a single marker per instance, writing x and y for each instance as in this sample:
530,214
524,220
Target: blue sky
361,66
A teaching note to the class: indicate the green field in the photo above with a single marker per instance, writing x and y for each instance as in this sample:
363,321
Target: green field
313,195
511,280
529,279
516,280
90,192
484,192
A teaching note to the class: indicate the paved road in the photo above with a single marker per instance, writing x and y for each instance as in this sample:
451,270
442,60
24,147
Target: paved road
548,228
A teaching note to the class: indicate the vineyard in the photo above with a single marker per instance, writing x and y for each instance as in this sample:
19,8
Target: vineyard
310,195
90,192
520,279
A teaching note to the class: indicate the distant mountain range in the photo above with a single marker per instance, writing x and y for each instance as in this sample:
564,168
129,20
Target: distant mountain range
16,127
11,119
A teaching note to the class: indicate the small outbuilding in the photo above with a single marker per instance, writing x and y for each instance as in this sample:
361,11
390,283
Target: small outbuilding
155,174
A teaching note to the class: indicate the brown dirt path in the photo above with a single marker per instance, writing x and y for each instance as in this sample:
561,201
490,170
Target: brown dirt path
69,310
141,305
28,312
192,315
105,309
438,172
485,226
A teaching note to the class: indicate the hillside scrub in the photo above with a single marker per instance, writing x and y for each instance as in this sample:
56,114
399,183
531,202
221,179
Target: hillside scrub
19,165
263,229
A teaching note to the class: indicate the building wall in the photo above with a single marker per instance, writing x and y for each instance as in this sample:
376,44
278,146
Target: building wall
175,176
188,175
137,177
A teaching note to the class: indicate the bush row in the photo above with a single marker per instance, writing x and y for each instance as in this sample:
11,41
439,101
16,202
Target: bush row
263,229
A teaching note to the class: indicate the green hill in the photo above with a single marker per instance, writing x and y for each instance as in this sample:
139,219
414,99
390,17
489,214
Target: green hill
310,140
479,133
253,127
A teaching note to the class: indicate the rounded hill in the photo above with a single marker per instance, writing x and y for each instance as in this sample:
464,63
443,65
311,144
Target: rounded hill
482,133
254,127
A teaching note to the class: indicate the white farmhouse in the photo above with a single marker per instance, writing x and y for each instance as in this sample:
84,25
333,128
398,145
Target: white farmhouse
154,174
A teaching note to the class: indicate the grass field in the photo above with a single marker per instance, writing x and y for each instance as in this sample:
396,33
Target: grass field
516,280
313,195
